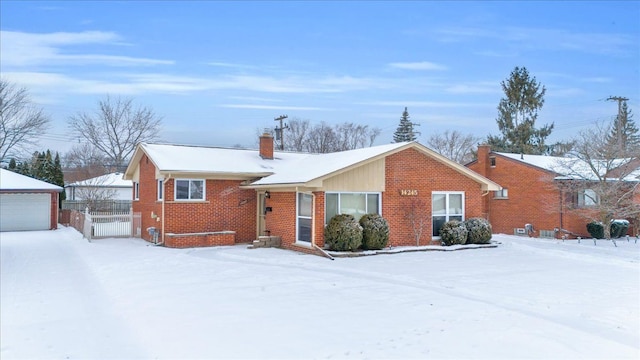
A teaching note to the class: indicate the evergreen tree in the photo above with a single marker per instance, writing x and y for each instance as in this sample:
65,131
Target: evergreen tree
12,165
58,178
624,135
517,114
405,131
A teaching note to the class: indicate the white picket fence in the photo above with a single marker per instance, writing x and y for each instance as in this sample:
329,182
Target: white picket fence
105,225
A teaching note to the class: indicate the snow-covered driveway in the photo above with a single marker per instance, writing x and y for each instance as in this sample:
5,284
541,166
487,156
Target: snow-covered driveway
122,298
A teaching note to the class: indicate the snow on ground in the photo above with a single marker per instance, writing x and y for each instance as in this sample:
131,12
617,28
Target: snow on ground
63,297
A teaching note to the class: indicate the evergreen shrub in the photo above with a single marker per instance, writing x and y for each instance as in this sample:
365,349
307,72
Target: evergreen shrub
479,231
343,233
596,230
453,233
619,228
375,232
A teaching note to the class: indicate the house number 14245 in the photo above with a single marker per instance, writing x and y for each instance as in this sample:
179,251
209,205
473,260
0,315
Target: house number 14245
405,192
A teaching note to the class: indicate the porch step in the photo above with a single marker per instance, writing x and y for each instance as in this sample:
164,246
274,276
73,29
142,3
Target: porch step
266,242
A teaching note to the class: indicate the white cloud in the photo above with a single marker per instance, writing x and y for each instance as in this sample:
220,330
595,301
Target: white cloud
428,104
20,50
272,107
422,65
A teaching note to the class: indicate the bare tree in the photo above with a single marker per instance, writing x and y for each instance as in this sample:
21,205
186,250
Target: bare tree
324,138
415,211
600,178
297,133
84,161
20,121
116,128
454,145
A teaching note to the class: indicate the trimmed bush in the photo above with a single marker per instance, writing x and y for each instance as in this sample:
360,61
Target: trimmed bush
453,233
343,233
596,230
479,231
619,228
375,232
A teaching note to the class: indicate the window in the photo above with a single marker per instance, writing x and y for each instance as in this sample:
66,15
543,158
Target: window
189,189
501,194
160,189
304,218
492,161
136,191
446,206
587,197
356,204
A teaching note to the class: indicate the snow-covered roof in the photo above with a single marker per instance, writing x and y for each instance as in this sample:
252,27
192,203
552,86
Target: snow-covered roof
569,168
201,159
14,181
107,180
286,168
314,166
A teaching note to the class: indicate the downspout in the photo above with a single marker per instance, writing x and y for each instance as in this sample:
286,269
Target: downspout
164,195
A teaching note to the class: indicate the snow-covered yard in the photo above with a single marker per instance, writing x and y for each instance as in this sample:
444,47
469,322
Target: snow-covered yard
63,297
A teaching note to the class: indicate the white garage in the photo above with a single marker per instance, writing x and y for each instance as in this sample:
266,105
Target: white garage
27,203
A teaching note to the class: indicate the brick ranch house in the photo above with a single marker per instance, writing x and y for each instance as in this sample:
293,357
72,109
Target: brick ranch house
530,195
205,196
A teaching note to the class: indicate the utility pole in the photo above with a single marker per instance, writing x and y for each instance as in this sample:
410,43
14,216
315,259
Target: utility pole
280,130
619,121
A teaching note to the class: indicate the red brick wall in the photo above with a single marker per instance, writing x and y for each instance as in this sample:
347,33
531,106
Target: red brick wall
412,170
148,198
53,222
281,221
226,207
532,198
200,240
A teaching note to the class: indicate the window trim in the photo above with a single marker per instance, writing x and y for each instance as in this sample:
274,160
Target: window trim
339,193
175,189
446,206
501,194
160,189
581,199
136,190
298,217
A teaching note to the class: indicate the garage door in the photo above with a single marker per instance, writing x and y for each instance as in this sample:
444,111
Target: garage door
25,212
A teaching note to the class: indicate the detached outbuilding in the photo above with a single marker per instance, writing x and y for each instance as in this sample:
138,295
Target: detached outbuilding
27,203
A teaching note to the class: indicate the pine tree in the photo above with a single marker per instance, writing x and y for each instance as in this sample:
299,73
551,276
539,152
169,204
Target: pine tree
517,114
405,131
624,134
12,165
58,178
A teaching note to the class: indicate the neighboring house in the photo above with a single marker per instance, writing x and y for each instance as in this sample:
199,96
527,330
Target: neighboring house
530,194
202,196
27,203
106,187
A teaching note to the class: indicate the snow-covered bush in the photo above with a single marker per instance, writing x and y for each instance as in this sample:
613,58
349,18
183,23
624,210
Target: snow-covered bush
375,232
619,228
343,233
596,230
453,233
479,231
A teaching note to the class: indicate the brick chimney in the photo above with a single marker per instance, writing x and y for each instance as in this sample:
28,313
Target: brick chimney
266,146
483,159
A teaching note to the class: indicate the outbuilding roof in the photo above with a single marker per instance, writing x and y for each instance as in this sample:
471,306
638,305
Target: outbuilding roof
107,180
11,181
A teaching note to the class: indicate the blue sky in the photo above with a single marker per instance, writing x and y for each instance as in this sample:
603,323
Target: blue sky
218,71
